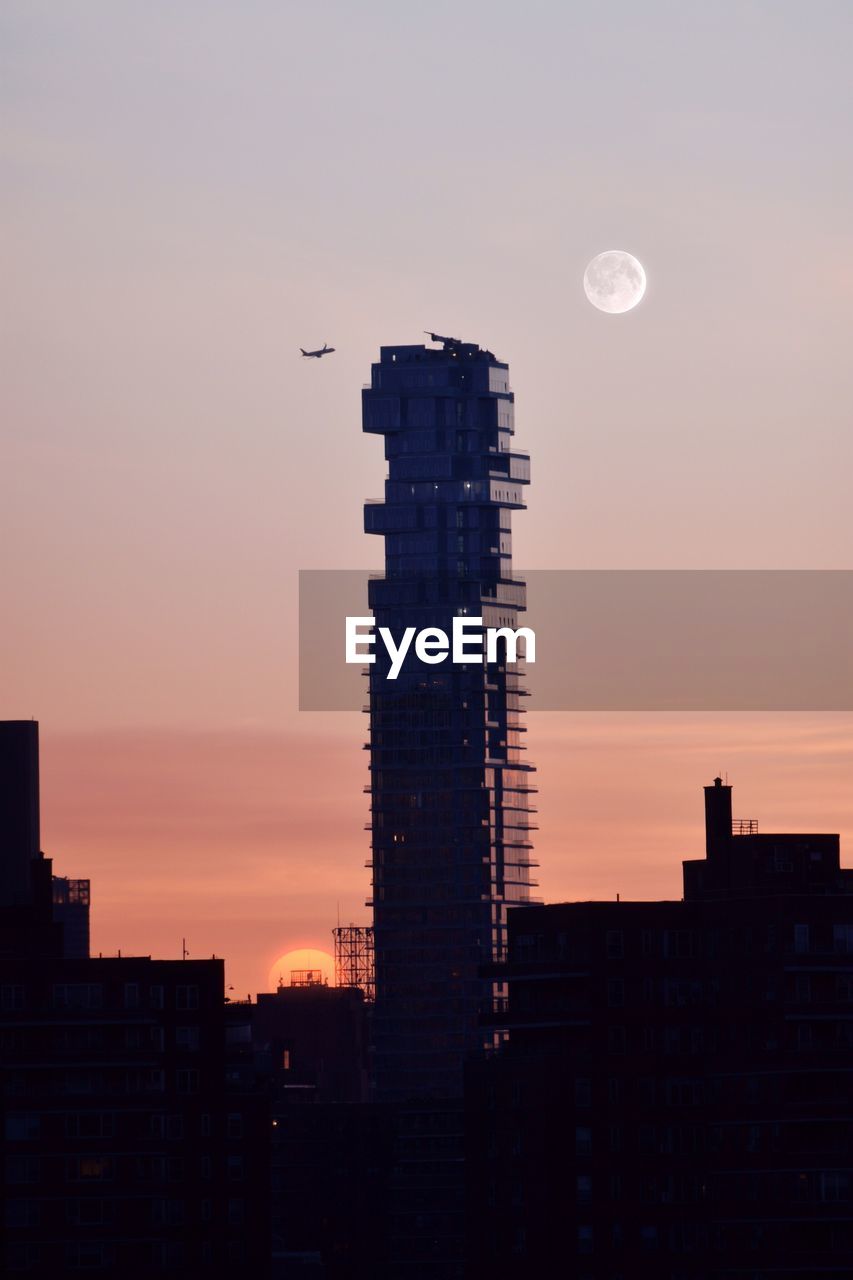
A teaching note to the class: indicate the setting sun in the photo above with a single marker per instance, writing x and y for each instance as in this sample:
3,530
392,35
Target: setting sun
302,966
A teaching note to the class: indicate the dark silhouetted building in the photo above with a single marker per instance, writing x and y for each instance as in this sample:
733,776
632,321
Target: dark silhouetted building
125,1152
130,1146
449,779
450,783
316,1038
20,841
39,913
71,910
305,1046
676,1097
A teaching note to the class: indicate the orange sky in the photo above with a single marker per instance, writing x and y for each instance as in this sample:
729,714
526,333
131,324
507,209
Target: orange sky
249,843
193,192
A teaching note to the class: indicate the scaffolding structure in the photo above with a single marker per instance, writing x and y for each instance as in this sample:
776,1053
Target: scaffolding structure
307,978
354,958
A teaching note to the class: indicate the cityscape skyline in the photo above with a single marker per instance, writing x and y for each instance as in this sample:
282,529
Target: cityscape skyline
176,231
279,992
664,1074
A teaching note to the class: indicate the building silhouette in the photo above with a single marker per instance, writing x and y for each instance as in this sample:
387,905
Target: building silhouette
20,837
449,779
71,900
306,1046
131,1143
126,1151
676,1096
39,912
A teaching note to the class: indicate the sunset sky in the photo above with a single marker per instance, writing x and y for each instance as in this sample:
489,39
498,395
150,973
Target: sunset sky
193,191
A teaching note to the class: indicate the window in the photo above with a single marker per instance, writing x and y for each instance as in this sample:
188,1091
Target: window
11,996
584,1239
615,944
801,939
155,995
844,986
145,1080
583,1093
187,1038
679,944
86,1213
186,997
616,1039
187,1080
834,1188
89,1124
167,1212
584,1188
21,1213
22,1257
649,1238
22,1126
78,995
583,1139
23,1169
615,992
131,995
234,1168
88,1256
94,1168
842,939
235,1125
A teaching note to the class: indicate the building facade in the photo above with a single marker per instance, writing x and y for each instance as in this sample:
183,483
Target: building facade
126,1152
676,1097
130,1143
39,911
450,782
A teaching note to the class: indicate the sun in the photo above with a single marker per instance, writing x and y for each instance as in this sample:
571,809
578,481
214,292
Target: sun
305,964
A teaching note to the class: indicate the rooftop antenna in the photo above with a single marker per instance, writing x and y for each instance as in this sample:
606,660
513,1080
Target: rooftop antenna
184,953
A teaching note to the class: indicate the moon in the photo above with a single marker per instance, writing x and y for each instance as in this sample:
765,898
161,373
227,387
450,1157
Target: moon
614,281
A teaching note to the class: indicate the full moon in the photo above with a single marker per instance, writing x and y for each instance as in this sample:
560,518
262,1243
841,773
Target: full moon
614,281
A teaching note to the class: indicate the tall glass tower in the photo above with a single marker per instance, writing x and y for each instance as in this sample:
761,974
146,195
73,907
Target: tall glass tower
450,784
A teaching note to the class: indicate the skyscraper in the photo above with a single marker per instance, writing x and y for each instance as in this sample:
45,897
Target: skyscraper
19,809
450,784
39,912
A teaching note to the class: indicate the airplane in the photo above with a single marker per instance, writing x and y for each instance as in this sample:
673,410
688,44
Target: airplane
325,350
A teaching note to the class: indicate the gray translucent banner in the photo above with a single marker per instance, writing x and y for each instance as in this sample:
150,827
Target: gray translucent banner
633,640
